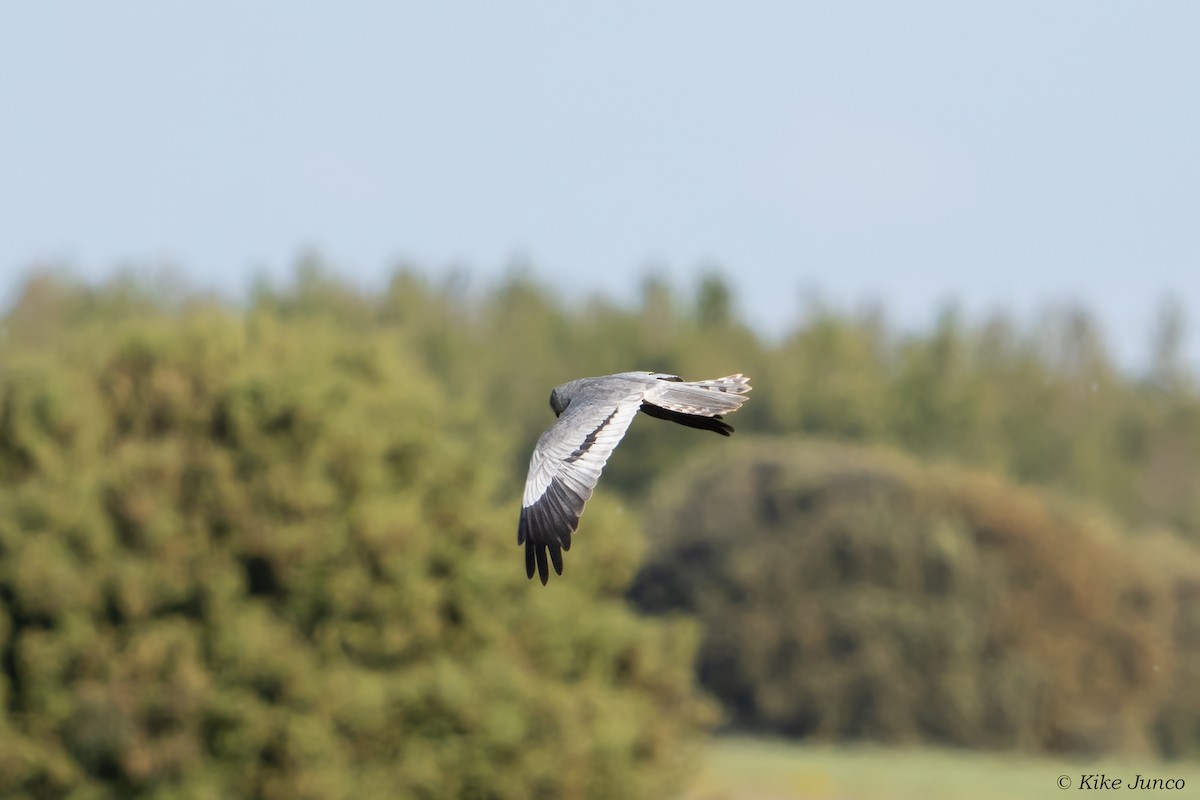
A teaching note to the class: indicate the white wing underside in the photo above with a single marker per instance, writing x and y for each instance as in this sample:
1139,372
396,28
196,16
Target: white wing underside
576,448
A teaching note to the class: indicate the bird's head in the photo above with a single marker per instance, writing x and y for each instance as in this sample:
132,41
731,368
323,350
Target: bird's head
558,403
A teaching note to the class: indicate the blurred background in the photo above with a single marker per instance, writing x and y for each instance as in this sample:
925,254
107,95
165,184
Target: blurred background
284,291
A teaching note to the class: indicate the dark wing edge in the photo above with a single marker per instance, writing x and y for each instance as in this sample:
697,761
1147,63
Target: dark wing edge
546,527
715,423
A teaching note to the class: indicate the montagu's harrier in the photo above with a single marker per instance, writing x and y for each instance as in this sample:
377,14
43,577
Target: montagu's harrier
593,414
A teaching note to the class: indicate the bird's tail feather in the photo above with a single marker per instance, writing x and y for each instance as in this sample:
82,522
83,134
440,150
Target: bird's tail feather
704,398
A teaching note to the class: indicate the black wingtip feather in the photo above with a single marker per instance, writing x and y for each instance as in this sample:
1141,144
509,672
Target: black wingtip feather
547,525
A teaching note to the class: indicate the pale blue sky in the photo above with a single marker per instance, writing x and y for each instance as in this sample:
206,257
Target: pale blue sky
1006,154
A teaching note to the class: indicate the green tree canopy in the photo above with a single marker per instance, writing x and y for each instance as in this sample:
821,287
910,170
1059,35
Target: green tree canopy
253,555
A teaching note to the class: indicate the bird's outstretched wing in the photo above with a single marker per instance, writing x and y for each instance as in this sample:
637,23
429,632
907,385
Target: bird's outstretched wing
564,470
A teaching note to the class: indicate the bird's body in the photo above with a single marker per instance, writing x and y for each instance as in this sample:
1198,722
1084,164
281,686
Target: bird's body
593,414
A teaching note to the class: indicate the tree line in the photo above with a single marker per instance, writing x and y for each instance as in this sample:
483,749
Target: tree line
267,548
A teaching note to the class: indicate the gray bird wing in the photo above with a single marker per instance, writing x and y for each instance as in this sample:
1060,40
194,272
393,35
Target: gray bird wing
565,467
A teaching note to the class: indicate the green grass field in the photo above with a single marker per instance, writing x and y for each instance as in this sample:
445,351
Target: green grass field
754,769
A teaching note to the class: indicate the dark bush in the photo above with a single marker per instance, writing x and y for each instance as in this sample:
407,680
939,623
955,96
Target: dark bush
853,594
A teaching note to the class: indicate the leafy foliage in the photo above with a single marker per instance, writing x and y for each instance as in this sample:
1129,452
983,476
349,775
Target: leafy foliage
253,556
847,593
268,550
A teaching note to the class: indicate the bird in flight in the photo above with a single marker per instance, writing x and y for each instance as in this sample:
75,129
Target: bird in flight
593,414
